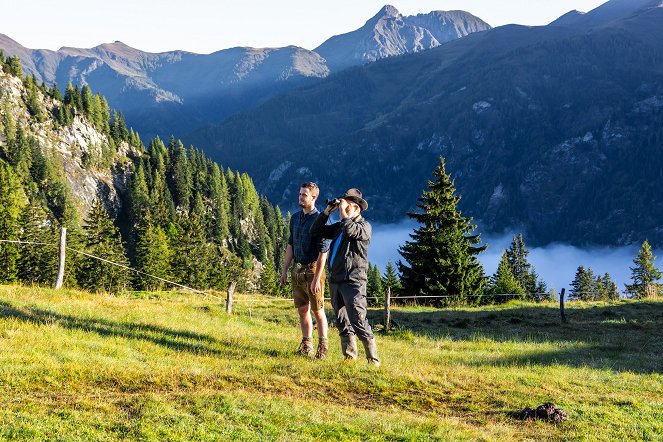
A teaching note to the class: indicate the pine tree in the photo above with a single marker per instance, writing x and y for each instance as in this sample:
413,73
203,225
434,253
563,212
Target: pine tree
15,67
270,283
442,256
522,270
645,273
102,239
504,281
374,290
37,263
12,201
138,195
179,177
153,255
583,284
192,260
55,92
610,288
390,279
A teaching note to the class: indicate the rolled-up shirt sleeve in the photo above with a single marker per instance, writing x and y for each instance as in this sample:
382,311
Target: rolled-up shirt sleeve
290,237
322,244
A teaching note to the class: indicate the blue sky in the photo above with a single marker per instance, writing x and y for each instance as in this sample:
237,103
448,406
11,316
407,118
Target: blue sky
205,26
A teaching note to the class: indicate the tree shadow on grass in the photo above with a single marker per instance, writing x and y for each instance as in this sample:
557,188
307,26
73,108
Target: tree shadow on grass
625,336
176,340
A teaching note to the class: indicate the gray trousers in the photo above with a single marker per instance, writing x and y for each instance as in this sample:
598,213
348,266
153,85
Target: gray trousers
349,302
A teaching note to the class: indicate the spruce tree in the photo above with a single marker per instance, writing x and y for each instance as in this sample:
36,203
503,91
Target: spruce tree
610,288
270,283
522,270
390,279
102,239
504,281
583,284
37,263
192,260
12,201
645,273
179,177
374,291
153,255
442,254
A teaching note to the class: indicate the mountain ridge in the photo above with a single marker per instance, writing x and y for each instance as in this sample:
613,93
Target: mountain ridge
507,108
175,92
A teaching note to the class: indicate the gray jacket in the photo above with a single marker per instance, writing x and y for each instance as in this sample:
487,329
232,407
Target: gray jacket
351,260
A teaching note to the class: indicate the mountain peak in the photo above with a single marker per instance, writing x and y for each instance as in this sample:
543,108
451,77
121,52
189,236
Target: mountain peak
387,11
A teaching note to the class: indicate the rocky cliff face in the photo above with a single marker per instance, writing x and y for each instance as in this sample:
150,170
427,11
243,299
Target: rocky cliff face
67,146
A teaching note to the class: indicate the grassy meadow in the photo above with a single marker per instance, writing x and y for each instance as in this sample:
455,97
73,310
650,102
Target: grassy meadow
76,366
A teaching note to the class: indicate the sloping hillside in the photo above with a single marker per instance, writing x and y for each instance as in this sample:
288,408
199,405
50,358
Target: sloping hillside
553,130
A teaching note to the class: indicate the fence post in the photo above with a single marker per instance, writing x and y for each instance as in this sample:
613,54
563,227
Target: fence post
387,309
229,299
561,305
63,248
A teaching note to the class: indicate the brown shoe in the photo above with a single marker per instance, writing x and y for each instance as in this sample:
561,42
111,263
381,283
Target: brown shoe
321,353
305,348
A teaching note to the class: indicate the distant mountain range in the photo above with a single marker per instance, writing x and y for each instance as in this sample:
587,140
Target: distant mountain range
554,130
176,92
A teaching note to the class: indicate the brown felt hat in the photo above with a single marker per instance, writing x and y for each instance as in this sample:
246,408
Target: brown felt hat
354,195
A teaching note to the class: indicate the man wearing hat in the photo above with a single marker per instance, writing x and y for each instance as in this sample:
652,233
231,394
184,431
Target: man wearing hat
348,265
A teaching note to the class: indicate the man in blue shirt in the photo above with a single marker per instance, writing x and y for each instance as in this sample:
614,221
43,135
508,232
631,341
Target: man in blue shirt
308,273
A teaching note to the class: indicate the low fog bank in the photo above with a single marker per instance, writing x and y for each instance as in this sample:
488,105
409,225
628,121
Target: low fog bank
556,264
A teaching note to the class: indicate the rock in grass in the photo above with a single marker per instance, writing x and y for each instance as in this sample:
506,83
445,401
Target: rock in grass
548,412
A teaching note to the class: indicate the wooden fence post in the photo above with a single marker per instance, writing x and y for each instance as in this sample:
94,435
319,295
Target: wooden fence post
229,299
63,248
561,305
387,309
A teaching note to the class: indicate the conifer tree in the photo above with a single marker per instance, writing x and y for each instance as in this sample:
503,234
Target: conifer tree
192,260
504,281
522,270
442,255
583,284
611,292
374,291
15,67
391,279
102,239
37,263
153,255
645,273
138,194
55,92
218,191
179,178
12,201
270,283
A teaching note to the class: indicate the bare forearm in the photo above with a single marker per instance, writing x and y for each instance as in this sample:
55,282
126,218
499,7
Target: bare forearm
320,264
287,260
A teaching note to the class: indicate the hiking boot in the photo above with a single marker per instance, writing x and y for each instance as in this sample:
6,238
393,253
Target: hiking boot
349,347
321,352
306,348
371,352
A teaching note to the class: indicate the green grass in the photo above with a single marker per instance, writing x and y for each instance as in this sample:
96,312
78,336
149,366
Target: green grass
79,366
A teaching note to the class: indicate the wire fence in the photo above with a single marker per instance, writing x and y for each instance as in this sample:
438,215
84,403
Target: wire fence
176,284
577,296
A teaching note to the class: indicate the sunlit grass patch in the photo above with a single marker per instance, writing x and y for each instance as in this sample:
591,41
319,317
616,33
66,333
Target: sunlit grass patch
173,366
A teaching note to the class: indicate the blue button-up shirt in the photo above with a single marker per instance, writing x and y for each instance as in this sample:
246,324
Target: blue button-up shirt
305,248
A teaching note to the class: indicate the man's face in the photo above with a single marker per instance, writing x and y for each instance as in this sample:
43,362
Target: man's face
350,208
306,198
